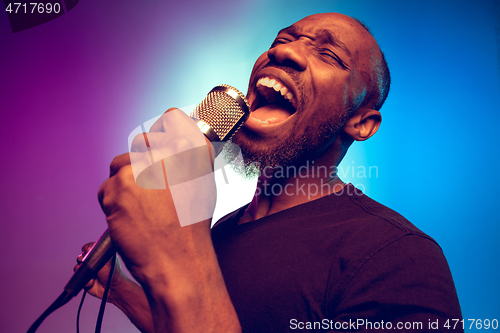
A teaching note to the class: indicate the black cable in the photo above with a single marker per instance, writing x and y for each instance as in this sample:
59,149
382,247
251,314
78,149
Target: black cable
60,301
78,313
105,295
66,296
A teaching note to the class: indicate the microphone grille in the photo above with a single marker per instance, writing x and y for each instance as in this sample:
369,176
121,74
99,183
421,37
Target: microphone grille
221,113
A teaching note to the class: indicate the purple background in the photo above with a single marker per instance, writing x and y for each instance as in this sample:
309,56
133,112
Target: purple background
72,90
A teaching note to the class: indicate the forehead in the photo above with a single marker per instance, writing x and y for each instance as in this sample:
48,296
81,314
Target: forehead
319,34
336,29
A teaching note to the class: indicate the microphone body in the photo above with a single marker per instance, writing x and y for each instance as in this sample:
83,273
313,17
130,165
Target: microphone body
218,116
92,263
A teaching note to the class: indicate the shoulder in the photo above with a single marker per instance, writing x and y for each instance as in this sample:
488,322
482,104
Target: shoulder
407,280
402,272
374,217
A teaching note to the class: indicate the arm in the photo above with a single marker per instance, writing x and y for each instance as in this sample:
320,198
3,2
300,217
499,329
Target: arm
190,295
173,260
131,299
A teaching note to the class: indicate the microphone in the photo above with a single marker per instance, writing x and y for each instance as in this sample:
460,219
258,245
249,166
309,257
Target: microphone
218,116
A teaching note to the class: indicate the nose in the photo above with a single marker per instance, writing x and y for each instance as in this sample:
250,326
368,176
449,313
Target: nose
291,54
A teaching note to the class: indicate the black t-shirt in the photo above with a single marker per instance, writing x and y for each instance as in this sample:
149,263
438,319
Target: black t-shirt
341,261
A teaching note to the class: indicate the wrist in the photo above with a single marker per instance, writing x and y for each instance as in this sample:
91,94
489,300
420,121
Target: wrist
185,299
119,288
190,305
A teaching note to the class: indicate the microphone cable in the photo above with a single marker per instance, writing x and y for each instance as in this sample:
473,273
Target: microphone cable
65,298
60,301
105,295
218,116
103,301
78,313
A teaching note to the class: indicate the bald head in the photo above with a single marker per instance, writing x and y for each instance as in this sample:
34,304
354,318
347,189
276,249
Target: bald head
316,89
380,76
369,61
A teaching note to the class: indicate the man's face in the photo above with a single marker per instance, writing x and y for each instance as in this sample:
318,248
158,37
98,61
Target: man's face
303,88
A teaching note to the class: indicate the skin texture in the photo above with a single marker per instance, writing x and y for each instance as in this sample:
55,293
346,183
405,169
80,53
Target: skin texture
326,62
176,266
305,61
124,293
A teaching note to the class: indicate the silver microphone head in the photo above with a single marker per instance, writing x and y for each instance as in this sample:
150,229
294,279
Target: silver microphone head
221,113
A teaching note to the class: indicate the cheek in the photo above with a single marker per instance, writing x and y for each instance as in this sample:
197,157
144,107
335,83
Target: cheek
359,90
333,88
354,92
259,63
346,96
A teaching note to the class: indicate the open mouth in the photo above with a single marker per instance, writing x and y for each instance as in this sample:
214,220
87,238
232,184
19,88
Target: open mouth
274,103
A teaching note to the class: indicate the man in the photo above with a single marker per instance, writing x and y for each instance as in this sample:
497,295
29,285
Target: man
309,252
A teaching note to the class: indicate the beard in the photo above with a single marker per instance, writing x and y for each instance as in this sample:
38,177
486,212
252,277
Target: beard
292,150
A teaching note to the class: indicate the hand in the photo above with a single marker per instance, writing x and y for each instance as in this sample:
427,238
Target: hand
142,219
96,287
159,231
123,292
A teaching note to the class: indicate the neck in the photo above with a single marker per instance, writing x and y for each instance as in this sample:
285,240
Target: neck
291,186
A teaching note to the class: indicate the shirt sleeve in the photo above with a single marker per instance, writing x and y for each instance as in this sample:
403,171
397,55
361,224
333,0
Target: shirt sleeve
406,285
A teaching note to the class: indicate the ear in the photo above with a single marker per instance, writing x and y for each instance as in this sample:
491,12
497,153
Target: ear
363,124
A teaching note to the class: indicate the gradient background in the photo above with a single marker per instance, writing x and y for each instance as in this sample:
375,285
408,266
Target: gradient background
72,90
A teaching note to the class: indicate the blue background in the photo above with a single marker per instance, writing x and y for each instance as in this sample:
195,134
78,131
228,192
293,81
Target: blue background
71,91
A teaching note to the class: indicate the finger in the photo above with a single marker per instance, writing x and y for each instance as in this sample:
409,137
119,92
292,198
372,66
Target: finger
87,246
101,191
146,142
158,125
112,189
80,257
140,162
118,162
105,195
89,284
140,143
85,249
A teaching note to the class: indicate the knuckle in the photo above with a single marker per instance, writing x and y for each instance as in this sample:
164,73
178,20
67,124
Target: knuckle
118,162
161,124
125,174
180,144
101,193
88,246
140,143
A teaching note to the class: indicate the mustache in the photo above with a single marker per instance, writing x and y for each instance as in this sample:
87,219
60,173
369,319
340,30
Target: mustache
295,76
274,64
292,73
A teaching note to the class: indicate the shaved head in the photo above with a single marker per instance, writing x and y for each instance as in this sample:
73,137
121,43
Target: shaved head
370,59
319,74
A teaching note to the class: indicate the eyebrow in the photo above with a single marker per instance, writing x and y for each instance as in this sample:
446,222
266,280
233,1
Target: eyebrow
291,30
323,34
331,39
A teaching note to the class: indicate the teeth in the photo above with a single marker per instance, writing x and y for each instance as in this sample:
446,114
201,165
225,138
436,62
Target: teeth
278,87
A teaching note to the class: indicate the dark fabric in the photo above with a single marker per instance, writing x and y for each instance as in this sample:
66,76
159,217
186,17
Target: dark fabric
333,261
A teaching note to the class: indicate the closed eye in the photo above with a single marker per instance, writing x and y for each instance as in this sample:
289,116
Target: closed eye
330,55
279,41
